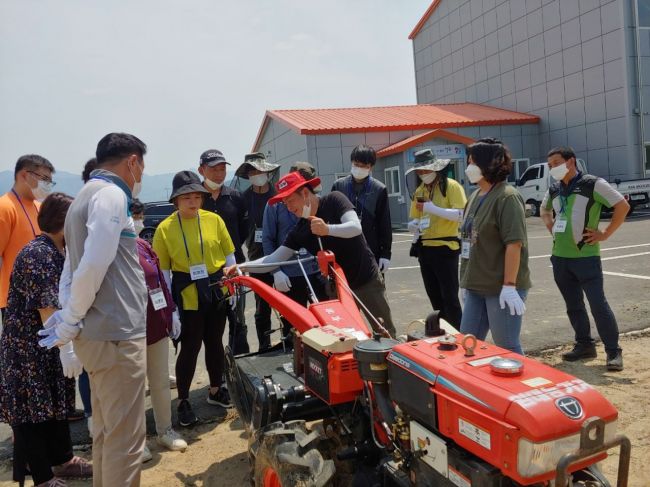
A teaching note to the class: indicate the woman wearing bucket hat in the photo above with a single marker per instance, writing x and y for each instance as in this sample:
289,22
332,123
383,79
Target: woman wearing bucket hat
436,211
259,172
194,245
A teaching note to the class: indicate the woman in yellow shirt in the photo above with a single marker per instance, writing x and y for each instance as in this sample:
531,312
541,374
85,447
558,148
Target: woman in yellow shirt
436,213
195,245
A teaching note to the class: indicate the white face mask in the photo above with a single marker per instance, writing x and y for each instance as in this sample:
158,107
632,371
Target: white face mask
359,173
558,172
306,208
137,185
473,173
428,178
212,184
139,226
42,190
259,179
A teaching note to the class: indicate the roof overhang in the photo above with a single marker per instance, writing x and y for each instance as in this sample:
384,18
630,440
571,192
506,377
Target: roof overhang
425,17
405,144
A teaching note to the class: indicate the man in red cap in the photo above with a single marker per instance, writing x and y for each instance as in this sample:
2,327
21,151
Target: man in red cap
330,222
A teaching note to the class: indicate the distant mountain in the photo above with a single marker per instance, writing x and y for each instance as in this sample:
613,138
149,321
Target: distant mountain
154,187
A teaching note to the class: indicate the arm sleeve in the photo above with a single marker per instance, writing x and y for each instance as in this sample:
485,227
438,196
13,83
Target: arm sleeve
281,254
230,259
452,214
107,217
349,227
385,229
605,194
64,283
269,230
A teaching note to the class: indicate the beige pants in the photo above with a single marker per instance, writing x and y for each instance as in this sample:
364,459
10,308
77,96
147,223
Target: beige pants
158,377
116,371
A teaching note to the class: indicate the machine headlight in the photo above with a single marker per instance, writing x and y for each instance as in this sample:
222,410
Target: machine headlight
538,458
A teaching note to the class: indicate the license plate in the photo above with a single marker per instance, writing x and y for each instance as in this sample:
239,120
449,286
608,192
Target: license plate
637,197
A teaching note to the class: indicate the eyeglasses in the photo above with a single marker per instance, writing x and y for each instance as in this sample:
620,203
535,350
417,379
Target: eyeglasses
42,178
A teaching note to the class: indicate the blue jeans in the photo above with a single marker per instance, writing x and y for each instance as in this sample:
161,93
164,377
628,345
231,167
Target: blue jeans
483,313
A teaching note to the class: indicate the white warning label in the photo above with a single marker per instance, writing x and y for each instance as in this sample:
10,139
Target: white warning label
458,478
474,433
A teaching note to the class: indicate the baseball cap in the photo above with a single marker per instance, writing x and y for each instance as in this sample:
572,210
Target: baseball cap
212,157
289,184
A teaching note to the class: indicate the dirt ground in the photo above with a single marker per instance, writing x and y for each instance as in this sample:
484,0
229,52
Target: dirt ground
216,455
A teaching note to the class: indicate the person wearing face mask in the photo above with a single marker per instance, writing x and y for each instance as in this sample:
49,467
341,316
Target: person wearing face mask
494,274
577,200
331,223
436,211
259,172
104,302
229,204
370,199
19,213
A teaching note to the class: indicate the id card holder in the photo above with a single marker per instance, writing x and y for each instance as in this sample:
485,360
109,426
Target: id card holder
198,271
559,226
258,236
158,300
465,246
425,222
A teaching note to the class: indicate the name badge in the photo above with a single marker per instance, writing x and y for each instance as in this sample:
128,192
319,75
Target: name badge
158,300
465,246
258,236
198,271
559,226
425,222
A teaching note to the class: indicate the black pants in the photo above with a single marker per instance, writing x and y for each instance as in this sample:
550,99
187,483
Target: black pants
439,268
203,326
237,329
263,315
300,293
41,446
585,275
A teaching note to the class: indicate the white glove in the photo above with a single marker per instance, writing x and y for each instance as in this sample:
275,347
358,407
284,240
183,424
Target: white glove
57,332
232,301
414,226
69,361
281,282
176,326
384,264
463,295
510,296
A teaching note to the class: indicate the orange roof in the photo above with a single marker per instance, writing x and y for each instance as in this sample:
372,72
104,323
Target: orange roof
425,17
392,118
402,145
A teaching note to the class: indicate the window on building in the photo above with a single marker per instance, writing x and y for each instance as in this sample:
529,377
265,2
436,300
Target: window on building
644,13
340,175
518,168
391,178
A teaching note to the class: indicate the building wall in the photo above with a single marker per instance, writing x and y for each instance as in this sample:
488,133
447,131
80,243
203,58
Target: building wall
282,145
564,60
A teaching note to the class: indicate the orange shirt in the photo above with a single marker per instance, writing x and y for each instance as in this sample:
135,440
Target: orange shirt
17,228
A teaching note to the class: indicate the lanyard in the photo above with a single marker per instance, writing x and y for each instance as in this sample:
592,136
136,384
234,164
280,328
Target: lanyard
469,221
352,194
25,210
564,200
187,250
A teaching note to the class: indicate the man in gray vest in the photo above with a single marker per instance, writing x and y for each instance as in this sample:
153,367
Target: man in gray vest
104,307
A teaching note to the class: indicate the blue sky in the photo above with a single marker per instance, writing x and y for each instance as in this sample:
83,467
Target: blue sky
192,75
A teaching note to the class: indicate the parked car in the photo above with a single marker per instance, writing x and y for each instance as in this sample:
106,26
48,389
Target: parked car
154,213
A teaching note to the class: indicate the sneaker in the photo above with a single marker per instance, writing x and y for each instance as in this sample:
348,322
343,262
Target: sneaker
172,440
75,468
146,454
220,398
615,360
186,416
172,382
580,351
54,482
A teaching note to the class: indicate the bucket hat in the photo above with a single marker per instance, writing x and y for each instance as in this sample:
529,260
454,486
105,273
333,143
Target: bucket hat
185,182
425,159
255,160
289,184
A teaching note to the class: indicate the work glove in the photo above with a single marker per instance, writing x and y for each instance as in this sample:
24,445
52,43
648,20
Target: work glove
384,264
232,302
69,361
281,282
510,296
57,332
414,226
176,326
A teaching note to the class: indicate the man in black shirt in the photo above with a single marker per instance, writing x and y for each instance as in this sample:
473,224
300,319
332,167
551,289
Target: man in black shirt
331,221
259,172
370,198
229,204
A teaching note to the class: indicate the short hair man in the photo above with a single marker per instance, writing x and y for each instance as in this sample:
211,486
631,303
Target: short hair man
370,199
19,212
330,220
577,200
107,293
229,204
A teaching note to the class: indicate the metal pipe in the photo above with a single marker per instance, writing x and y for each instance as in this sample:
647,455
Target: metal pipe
639,86
245,265
314,298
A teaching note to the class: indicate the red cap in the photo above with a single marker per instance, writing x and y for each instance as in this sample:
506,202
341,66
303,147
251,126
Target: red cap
289,184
